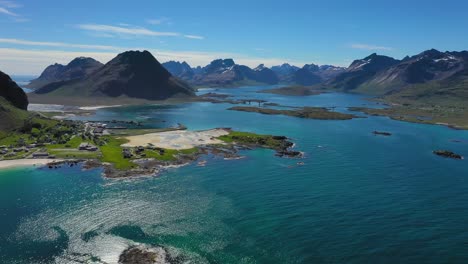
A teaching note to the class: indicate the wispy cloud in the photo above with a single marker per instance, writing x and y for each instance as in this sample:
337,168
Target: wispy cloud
59,44
159,21
126,30
369,47
9,4
194,37
7,12
5,9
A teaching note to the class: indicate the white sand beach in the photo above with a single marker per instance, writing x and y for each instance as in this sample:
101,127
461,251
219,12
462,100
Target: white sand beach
25,162
181,139
97,107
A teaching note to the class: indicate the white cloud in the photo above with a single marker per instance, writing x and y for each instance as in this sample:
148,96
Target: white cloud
125,30
194,37
33,62
27,62
58,44
7,12
5,7
369,47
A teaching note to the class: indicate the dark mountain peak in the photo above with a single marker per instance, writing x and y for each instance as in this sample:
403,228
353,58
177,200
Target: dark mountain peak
372,56
222,63
185,64
260,67
75,69
80,61
135,61
181,70
135,57
431,53
373,62
311,67
285,70
12,92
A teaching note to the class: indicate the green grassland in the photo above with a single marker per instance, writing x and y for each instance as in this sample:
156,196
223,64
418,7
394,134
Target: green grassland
305,112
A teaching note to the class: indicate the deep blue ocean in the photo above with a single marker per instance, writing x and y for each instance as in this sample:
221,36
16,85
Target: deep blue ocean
358,198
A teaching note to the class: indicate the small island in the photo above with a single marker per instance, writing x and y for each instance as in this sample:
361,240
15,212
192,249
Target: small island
381,133
293,91
447,154
451,116
320,113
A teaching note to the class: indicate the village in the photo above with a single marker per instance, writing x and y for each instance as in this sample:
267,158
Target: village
39,148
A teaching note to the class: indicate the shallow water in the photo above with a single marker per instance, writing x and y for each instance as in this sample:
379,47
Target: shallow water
358,197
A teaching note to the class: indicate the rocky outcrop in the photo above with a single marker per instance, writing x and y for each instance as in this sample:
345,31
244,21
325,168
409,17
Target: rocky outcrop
144,255
77,69
447,154
382,133
12,92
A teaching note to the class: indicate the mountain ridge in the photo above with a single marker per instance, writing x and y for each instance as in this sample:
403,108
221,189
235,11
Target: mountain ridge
78,68
134,74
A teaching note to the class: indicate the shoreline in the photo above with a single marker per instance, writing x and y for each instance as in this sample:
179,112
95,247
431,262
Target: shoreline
6,164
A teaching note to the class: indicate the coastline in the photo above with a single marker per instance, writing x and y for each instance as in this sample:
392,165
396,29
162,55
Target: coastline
6,164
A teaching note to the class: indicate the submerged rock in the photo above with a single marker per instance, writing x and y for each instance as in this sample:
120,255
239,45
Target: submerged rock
447,154
382,133
144,255
289,153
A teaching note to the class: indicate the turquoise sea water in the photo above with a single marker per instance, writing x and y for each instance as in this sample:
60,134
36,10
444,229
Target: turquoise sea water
359,198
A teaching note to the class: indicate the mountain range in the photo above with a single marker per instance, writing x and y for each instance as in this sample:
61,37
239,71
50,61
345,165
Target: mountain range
430,74
225,72
133,74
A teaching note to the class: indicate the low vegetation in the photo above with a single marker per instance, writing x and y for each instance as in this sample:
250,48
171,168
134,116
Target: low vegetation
305,112
273,142
456,117
293,91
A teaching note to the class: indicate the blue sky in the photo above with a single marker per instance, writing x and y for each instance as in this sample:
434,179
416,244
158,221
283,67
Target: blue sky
34,34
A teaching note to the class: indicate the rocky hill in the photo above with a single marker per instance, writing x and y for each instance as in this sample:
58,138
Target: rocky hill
77,69
13,103
132,74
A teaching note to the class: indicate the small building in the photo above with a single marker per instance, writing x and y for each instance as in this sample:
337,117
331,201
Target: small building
18,149
88,147
39,155
98,130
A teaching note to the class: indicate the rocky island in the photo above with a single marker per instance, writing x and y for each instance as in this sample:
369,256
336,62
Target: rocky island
320,113
293,91
447,154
